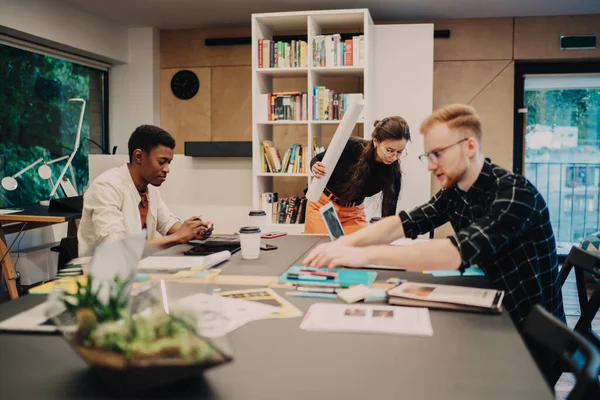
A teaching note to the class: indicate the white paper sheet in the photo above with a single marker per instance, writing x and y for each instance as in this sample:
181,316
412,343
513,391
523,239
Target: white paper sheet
33,319
217,316
172,264
338,142
10,210
327,317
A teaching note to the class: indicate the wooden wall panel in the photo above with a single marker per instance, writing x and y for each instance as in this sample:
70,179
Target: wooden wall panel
231,104
495,106
461,81
471,39
185,48
186,120
539,37
475,39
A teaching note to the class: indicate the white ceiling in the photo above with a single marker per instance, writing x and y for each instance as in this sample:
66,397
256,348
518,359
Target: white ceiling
178,14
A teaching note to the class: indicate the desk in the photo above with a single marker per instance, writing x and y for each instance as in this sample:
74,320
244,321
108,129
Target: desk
470,356
33,216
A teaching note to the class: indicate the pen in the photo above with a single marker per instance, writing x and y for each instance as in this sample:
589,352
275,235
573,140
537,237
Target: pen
314,295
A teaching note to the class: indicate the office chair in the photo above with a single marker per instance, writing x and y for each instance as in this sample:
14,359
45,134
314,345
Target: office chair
584,262
572,350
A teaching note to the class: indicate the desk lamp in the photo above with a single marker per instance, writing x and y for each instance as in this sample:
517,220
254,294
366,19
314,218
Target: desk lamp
10,182
44,171
75,146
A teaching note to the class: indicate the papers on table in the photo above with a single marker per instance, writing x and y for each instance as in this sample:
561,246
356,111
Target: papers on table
459,295
172,264
268,296
35,319
10,210
217,316
327,317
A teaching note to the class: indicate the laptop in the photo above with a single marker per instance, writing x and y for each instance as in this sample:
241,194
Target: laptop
215,244
332,221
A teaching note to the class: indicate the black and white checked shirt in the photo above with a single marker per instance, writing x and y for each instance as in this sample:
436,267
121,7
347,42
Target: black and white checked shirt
503,226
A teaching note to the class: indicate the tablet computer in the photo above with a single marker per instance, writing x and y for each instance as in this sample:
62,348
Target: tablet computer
204,250
332,221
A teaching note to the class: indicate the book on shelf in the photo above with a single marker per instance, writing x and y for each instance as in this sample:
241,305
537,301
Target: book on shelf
316,148
285,210
458,298
331,106
281,54
283,106
293,161
333,51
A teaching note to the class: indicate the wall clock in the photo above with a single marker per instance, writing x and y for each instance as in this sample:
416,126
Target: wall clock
185,84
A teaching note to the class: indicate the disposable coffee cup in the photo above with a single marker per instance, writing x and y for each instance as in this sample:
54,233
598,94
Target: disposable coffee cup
250,242
258,218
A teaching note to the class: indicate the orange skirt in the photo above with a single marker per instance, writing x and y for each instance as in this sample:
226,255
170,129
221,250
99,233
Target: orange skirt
352,218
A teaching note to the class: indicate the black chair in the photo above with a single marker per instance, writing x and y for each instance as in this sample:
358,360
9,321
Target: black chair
67,250
572,351
584,262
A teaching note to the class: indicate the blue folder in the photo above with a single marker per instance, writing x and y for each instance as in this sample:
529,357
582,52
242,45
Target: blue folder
345,278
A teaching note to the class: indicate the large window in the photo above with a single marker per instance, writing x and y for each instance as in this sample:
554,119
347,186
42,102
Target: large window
38,121
558,143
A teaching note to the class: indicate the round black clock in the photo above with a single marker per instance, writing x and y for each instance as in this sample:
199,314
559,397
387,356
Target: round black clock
185,84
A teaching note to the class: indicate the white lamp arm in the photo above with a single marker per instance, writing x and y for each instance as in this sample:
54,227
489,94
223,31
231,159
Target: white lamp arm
21,172
57,160
75,147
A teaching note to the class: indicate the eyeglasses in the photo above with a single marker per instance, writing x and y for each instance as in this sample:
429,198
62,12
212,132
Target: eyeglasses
434,156
400,154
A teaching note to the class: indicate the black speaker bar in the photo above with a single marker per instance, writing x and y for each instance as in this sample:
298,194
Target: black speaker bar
236,41
218,149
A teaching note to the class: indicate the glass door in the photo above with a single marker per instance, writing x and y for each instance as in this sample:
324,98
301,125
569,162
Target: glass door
560,136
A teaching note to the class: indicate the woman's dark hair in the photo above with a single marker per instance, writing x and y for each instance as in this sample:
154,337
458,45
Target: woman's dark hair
390,128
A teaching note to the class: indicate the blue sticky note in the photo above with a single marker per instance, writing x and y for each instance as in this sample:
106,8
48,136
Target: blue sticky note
141,278
471,271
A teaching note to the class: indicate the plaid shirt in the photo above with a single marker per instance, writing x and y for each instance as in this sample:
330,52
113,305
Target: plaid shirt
503,226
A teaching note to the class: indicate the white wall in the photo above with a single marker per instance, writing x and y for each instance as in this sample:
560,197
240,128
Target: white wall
134,88
59,25
403,85
217,189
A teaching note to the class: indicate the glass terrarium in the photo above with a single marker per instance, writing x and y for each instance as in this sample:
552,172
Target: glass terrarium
142,338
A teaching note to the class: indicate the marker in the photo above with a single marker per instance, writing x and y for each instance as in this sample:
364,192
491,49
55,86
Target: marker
313,295
315,289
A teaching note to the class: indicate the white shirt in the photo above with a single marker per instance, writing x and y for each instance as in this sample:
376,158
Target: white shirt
110,211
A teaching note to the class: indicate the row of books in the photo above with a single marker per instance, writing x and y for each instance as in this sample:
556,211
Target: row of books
284,106
332,51
293,161
329,105
285,210
282,55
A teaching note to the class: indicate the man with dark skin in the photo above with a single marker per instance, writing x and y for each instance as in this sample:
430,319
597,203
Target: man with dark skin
122,201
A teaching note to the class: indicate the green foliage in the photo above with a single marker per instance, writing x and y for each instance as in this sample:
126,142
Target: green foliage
86,298
36,120
569,107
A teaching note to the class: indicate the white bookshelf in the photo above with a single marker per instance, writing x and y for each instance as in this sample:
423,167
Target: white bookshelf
311,24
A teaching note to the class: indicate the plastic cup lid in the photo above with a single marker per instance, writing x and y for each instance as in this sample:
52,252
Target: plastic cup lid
257,213
250,229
